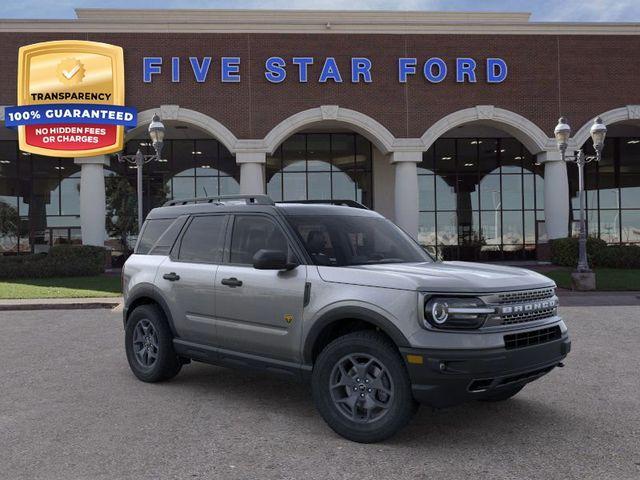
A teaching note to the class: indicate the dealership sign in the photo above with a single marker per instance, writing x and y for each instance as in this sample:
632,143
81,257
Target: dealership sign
70,99
323,70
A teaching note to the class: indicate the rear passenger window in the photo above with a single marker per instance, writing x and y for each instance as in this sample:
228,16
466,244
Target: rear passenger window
203,241
151,233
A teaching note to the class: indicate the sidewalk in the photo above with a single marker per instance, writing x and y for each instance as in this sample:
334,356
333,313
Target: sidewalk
59,303
570,298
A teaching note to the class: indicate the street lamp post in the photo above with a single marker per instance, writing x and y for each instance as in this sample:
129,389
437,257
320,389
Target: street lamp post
156,133
562,133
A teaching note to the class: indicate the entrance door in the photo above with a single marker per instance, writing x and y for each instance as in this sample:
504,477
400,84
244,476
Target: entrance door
187,278
259,311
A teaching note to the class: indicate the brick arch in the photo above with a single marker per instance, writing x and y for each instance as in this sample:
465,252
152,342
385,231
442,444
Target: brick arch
192,117
616,115
527,132
374,131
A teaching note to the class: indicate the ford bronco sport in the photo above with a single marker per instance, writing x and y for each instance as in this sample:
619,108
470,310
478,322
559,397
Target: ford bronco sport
337,295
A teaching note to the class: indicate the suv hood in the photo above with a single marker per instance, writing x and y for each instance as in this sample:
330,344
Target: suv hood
437,277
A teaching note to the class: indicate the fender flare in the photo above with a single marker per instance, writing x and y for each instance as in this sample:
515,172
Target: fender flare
147,290
351,312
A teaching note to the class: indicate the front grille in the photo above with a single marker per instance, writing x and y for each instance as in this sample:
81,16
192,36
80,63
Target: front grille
528,317
535,337
520,302
525,295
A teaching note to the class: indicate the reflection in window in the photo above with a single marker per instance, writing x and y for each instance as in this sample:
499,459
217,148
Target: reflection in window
612,191
321,166
479,199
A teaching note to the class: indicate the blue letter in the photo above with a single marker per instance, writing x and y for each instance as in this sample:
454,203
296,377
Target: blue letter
465,66
330,71
175,69
275,69
150,66
406,66
496,70
230,69
200,71
428,70
303,63
360,66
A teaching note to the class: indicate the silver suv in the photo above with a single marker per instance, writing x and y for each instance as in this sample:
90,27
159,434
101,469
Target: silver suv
337,295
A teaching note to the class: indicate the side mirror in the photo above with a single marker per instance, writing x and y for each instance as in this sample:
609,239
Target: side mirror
272,260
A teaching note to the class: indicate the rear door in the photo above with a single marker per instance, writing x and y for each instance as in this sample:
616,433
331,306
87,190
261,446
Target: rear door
259,311
187,277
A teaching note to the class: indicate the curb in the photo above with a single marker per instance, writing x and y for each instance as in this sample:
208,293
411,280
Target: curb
57,305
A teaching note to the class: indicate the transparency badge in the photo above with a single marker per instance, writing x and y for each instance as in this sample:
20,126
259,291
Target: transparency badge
70,99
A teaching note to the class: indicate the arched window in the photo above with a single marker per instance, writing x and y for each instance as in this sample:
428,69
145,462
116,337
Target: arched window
480,198
320,166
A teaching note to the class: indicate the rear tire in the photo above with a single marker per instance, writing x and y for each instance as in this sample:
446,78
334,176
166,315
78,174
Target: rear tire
149,345
361,387
502,394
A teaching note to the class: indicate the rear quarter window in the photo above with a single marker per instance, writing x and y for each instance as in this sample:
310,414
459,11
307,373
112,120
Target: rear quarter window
151,232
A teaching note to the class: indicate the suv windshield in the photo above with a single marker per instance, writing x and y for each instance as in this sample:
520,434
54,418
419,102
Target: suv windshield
340,241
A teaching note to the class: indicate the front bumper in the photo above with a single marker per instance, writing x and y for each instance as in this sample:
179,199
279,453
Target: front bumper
449,377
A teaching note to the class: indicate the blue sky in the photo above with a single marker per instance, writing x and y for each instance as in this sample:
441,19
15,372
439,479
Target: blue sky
543,10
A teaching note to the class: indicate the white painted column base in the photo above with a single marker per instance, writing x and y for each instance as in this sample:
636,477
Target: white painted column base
251,172
406,190
93,208
556,195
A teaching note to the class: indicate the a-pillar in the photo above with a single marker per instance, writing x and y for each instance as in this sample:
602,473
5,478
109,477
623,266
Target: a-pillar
556,194
251,172
93,209
406,190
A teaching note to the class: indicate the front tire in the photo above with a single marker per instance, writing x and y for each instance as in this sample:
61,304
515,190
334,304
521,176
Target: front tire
361,387
149,345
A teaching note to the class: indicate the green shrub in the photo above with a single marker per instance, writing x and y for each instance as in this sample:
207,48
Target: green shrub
618,256
564,252
61,261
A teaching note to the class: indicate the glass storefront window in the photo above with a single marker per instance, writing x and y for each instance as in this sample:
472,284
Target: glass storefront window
479,199
612,191
321,166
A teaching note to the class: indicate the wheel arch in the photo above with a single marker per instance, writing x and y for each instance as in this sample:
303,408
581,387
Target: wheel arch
330,324
145,294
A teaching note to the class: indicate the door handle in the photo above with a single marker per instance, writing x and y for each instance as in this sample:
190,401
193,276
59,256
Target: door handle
172,277
231,282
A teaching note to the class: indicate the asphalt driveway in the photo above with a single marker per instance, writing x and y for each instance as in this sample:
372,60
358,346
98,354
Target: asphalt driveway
70,409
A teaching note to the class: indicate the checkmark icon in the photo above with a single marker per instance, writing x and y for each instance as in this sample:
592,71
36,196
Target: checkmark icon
71,73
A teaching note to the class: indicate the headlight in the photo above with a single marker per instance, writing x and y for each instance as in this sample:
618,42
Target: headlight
461,312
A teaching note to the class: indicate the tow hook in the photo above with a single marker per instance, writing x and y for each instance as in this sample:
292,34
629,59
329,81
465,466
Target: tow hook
561,365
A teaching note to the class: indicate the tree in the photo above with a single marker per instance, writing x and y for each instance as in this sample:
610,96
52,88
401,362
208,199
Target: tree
122,215
9,223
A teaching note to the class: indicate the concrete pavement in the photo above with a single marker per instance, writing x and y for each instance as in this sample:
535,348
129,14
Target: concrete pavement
71,409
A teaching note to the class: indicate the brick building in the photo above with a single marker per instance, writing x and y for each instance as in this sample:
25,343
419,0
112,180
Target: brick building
441,121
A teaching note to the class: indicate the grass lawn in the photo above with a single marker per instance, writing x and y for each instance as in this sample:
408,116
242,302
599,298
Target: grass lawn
68,287
606,278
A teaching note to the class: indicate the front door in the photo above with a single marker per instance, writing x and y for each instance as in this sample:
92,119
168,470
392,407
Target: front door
259,311
187,278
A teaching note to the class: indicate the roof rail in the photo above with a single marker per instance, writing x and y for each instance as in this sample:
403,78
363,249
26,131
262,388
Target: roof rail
222,199
344,203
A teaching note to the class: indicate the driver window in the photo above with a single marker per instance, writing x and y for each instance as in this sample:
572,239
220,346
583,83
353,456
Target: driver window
252,233
318,242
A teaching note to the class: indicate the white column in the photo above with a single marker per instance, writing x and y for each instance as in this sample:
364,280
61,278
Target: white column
556,194
251,172
93,209
406,190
